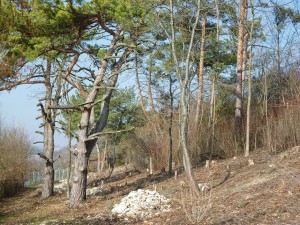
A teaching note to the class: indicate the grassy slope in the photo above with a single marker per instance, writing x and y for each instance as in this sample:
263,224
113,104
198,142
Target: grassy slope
267,192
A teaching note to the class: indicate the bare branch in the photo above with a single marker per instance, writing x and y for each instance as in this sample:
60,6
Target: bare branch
39,117
44,114
64,107
39,132
97,135
9,86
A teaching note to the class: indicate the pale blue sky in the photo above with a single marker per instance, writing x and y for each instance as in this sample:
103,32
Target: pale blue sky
18,107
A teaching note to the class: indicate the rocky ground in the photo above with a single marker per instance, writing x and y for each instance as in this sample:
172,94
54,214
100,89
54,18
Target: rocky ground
263,190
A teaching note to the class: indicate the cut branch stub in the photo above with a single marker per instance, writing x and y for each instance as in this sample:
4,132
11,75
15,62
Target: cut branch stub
74,151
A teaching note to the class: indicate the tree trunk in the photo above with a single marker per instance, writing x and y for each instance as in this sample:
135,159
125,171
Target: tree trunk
154,113
200,77
245,50
150,166
247,149
185,82
170,127
48,137
142,99
85,145
213,90
104,155
238,90
183,139
78,192
212,118
70,159
49,170
98,160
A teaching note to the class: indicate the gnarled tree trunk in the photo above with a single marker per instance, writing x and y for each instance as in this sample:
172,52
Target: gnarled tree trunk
87,137
48,137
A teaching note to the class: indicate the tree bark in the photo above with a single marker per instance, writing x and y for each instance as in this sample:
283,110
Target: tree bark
154,113
142,99
238,90
170,126
98,160
48,137
85,145
247,149
201,72
212,117
245,58
70,158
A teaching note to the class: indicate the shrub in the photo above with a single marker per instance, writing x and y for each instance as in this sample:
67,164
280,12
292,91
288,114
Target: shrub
14,149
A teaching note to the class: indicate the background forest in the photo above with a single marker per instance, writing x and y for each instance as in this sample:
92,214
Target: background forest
205,79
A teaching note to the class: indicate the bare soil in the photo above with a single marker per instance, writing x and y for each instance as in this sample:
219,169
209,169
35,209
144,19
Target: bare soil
266,192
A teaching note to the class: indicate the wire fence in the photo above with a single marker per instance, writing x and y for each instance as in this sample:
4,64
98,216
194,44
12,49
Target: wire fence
37,177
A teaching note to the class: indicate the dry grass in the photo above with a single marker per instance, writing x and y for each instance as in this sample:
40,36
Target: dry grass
267,192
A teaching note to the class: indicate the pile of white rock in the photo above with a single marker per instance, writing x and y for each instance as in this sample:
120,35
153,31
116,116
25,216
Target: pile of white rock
96,191
61,186
141,204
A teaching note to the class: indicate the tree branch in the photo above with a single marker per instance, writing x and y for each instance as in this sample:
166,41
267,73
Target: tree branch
44,157
104,27
21,82
97,135
64,107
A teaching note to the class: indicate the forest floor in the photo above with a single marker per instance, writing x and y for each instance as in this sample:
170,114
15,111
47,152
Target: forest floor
266,192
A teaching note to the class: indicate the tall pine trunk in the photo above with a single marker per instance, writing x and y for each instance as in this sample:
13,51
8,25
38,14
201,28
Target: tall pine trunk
170,125
239,86
247,148
200,76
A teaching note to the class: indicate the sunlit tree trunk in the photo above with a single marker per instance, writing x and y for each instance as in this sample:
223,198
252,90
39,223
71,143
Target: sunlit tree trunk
48,136
70,158
201,73
170,125
239,90
247,148
245,52
142,99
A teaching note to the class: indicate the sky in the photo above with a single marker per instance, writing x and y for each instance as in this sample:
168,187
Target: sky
18,108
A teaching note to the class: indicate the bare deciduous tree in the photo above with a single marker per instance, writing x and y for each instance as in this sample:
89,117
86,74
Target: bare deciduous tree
185,79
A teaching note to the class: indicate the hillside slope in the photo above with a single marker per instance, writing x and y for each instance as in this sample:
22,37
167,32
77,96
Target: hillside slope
266,192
